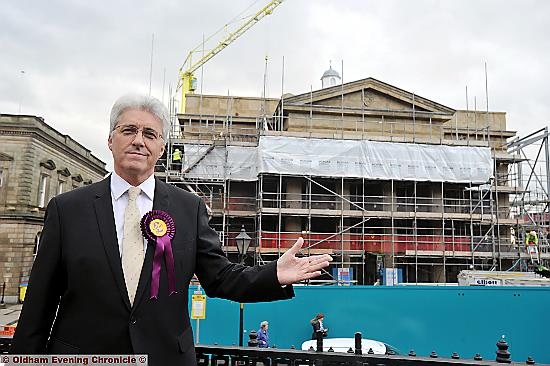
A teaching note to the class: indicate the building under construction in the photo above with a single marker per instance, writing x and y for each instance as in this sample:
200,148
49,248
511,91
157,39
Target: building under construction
376,176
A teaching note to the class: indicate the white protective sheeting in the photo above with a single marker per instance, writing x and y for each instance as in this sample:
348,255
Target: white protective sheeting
241,162
342,158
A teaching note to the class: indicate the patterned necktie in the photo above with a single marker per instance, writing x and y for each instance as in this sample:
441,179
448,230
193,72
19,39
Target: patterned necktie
132,244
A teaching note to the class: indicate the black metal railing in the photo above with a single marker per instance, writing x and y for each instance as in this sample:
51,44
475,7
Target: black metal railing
254,356
5,344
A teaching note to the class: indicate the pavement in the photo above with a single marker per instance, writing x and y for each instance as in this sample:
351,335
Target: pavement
9,315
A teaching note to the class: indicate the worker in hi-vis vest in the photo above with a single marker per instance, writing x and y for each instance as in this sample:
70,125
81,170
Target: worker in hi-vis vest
532,241
176,159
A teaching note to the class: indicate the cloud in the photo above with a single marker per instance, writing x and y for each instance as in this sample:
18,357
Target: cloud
78,56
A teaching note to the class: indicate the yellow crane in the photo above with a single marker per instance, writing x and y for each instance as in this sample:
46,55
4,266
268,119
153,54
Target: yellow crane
187,80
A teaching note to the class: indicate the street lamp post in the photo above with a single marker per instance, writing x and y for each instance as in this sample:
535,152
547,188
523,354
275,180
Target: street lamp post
243,243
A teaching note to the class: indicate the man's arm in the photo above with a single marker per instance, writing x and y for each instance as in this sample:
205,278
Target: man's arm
221,278
45,287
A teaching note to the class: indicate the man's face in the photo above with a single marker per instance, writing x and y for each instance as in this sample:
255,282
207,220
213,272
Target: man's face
135,154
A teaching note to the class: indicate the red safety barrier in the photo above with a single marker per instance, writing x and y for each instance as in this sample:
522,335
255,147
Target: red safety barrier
7,330
373,243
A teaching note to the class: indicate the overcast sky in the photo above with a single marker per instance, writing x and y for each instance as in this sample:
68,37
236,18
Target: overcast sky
68,60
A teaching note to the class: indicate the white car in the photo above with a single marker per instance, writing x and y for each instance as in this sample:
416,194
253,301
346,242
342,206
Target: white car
344,344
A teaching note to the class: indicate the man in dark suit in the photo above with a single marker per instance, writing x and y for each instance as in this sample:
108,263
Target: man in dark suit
98,287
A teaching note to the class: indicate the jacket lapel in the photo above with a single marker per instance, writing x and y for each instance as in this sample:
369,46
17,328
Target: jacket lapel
106,223
160,202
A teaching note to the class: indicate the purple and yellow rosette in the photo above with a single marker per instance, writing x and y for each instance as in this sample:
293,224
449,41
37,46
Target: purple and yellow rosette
159,227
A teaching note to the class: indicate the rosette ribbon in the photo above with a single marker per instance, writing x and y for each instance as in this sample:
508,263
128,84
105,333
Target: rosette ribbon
158,226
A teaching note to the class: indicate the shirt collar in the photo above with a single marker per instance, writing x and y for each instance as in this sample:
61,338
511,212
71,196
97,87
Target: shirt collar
119,186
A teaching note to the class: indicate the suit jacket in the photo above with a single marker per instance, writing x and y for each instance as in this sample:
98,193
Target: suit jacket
78,274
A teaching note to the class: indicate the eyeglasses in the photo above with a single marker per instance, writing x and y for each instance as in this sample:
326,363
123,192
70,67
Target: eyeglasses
131,130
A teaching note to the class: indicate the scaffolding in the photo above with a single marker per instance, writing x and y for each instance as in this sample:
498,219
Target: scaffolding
530,202
430,230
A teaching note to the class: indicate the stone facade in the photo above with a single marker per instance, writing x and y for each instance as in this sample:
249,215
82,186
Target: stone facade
36,163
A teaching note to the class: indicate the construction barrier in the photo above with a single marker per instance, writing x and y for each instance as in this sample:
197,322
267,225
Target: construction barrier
374,243
7,331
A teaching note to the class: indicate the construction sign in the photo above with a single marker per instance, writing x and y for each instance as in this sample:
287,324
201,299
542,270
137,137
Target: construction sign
198,306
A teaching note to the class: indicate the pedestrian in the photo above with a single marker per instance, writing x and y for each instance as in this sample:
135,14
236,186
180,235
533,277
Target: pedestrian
100,285
263,335
317,324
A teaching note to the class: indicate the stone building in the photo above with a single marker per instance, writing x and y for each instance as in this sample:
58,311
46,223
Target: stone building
36,163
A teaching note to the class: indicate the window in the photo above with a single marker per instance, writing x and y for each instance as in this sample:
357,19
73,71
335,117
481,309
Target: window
60,186
36,242
42,191
4,174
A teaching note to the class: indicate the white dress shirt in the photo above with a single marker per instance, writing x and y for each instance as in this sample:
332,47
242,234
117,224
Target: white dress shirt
119,197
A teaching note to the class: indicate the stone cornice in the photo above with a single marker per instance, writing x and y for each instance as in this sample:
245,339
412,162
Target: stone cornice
5,157
48,164
64,172
335,110
35,127
38,217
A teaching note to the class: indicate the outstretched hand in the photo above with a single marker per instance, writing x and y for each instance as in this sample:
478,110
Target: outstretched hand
292,269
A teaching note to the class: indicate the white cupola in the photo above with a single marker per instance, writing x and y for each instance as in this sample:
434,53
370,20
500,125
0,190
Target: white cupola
330,78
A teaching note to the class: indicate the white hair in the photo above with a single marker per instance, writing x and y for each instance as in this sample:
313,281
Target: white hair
144,103
264,323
